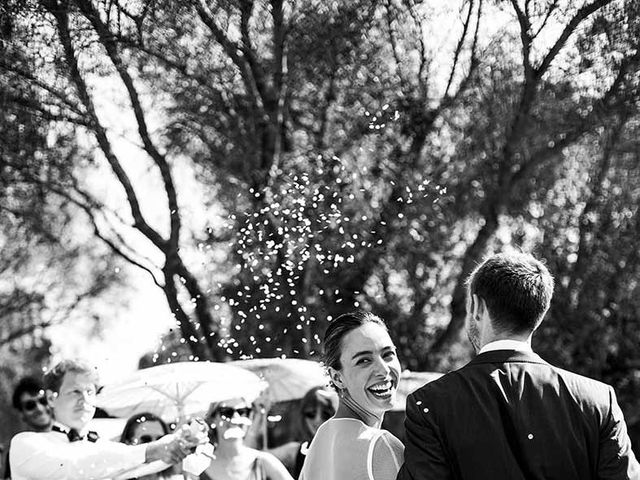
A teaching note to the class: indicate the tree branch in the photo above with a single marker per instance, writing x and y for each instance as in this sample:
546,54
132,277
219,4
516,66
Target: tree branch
550,11
64,35
258,75
526,39
75,108
394,47
473,65
280,56
181,68
602,108
232,50
423,87
458,50
25,330
108,42
583,13
87,209
37,108
188,330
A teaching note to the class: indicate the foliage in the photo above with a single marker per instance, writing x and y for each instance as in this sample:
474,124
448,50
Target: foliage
365,154
49,265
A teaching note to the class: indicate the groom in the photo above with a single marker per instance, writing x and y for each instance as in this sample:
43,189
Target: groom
508,414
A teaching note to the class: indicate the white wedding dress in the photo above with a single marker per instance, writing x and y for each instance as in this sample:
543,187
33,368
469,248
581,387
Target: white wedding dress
346,448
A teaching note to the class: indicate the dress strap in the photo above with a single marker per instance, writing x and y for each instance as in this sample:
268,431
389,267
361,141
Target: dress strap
387,462
372,446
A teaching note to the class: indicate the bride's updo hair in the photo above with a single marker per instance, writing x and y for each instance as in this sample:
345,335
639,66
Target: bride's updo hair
339,328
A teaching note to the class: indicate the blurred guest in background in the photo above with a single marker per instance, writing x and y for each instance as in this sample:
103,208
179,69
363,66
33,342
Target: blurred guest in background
146,428
29,399
143,428
34,410
229,422
316,407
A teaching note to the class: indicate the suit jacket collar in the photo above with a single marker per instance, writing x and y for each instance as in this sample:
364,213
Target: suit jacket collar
507,356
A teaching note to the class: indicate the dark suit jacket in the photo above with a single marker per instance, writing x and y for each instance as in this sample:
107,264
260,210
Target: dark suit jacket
510,415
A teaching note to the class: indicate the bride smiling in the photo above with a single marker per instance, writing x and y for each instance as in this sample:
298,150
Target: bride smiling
364,369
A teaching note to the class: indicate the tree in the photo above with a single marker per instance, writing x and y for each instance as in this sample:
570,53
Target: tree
592,326
374,171
35,221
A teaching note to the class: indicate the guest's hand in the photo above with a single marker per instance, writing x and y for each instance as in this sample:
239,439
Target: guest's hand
170,449
194,433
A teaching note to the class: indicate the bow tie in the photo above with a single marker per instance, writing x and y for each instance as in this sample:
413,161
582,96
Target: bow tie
73,435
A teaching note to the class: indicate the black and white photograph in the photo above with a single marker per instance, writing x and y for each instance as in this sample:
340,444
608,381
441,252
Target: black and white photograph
319,239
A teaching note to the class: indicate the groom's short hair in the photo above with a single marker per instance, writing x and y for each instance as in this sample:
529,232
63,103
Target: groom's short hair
516,289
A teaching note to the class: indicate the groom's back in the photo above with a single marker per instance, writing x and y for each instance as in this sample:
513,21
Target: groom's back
510,415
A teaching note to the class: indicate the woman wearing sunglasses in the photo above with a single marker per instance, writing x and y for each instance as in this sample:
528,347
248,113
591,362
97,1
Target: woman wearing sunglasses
364,369
147,428
229,422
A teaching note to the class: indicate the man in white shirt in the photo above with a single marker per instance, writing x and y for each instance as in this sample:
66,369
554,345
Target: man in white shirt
508,414
70,452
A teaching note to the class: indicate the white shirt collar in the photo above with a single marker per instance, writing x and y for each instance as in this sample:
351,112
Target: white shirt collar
518,345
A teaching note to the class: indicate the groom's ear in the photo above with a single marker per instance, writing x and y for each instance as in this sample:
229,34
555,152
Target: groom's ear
478,306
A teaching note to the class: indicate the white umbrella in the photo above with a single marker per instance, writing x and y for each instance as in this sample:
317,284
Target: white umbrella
178,390
288,378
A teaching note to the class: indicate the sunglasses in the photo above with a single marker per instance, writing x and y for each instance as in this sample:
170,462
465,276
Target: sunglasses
228,412
30,405
148,438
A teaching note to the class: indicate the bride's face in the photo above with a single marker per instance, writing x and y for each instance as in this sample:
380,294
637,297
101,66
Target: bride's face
370,367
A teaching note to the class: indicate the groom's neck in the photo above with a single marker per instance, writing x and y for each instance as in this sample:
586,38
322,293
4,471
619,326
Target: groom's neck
495,336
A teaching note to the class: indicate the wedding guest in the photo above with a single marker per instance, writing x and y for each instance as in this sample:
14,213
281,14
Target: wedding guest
508,414
30,401
70,451
364,369
143,428
229,422
31,404
146,428
316,407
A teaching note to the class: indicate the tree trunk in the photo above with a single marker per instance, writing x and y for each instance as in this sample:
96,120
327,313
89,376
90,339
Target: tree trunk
436,358
189,332
208,326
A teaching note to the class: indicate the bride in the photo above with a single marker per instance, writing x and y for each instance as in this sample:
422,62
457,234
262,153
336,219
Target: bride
364,369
